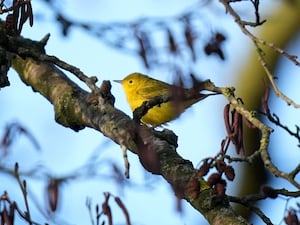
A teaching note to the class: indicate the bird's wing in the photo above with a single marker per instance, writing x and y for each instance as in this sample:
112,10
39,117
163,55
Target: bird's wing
151,89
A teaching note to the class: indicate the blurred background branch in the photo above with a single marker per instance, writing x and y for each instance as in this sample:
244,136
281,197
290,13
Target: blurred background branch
178,44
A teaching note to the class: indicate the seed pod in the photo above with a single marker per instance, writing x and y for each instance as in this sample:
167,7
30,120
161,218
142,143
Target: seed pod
229,173
221,166
204,169
53,194
213,179
221,187
269,192
193,188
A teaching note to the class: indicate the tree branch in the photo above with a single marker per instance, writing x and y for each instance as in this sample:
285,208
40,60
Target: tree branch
77,109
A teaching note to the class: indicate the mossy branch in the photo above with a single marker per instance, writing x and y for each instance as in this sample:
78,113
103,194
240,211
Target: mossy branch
76,108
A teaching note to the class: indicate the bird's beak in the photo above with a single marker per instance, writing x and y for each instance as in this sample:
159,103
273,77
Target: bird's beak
118,81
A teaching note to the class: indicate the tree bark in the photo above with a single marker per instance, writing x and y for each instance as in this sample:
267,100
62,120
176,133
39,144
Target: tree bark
77,109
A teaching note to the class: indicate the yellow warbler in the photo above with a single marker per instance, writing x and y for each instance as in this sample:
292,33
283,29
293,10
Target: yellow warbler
140,88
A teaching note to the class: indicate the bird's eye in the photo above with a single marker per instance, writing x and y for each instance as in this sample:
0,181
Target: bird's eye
130,81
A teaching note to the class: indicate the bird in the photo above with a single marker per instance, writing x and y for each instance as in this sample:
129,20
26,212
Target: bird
140,88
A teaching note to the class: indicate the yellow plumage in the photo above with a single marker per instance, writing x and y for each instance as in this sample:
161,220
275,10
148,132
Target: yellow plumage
140,88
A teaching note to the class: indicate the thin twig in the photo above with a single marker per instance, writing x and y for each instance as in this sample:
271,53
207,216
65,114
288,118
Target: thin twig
26,215
264,129
126,162
257,41
273,118
249,205
242,24
88,204
89,81
271,79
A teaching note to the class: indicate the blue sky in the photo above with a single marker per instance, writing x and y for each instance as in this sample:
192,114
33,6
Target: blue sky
63,150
